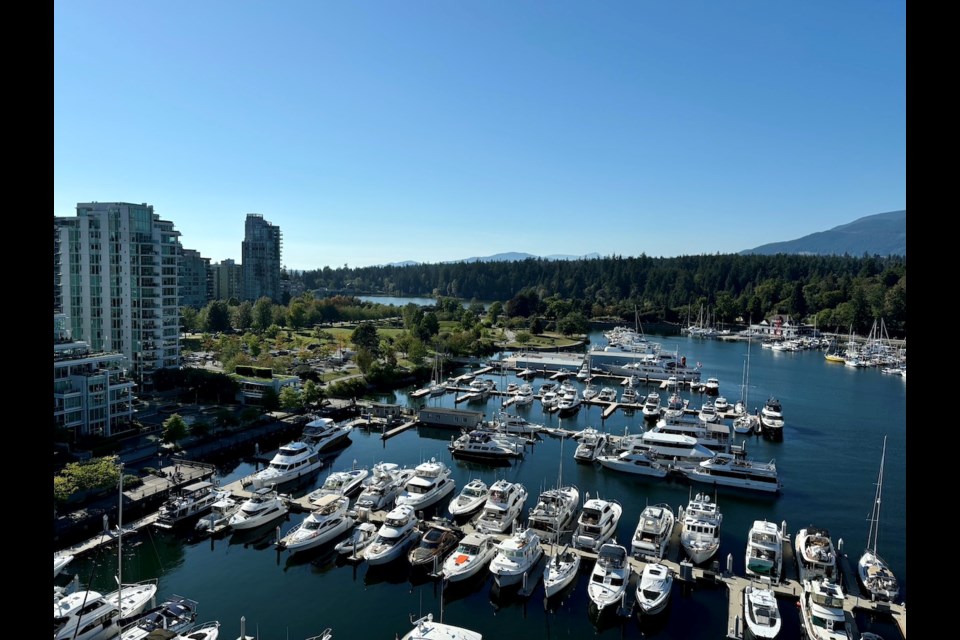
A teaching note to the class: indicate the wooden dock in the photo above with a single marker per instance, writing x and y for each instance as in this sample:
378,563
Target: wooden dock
400,429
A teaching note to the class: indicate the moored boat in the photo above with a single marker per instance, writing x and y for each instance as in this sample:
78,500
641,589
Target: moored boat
561,571
610,576
653,531
653,588
761,613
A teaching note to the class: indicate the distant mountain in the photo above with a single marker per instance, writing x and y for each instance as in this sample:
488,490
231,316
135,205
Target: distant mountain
880,234
511,256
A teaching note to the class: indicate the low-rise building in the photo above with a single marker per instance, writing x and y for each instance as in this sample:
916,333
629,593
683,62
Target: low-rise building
450,418
255,381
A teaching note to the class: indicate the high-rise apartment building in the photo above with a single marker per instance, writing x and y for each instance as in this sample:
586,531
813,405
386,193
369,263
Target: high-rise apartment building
227,280
118,283
261,259
196,279
92,391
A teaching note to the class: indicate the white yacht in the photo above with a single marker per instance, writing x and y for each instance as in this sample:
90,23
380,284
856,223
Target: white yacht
265,505
512,424
721,404
482,445
192,500
561,570
629,395
675,407
504,505
323,524
584,372
821,611
700,535
90,615
471,555
592,443
651,407
653,588
764,556
471,497
712,386
708,412
590,391
324,434
816,556
715,436
395,536
291,462
597,523
439,539
678,450
555,511
385,482
516,556
771,418
340,483
636,462
734,470
760,612
653,531
607,394
426,629
569,402
432,481
220,513
549,400
610,576
524,395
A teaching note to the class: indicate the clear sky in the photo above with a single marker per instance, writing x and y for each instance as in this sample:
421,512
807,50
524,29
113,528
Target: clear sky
378,131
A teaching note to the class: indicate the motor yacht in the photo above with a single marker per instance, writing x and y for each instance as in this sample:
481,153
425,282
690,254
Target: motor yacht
708,412
172,616
191,501
340,483
426,629
386,480
328,520
653,588
721,404
395,536
561,570
651,406
712,386
590,391
597,523
764,556
821,611
610,576
607,394
504,504
91,615
549,400
485,446
653,531
471,555
220,513
323,434
291,462
439,540
516,556
734,470
760,612
524,395
636,462
471,497
60,561
432,481
569,402
591,445
700,534
816,556
554,512
771,418
265,505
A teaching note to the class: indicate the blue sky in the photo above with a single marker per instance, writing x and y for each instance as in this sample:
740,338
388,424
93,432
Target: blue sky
374,132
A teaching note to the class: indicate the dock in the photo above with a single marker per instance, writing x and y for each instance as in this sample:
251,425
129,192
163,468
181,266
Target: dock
399,429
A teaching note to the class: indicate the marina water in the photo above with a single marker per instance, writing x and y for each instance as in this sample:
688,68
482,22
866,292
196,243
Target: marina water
835,420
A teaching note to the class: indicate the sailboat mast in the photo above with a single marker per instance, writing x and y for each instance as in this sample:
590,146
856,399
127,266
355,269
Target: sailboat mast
120,545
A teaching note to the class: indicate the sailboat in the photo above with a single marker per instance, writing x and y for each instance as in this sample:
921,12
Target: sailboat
437,388
874,573
90,615
745,422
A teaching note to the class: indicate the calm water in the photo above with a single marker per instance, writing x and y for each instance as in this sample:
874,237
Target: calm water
829,459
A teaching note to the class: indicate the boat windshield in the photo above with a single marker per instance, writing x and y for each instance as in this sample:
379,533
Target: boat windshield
468,549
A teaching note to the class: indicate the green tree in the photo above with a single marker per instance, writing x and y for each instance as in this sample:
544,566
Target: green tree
218,316
262,314
297,315
310,394
188,319
98,473
270,400
200,428
174,428
365,359
572,323
523,338
290,399
365,337
242,316
249,415
495,311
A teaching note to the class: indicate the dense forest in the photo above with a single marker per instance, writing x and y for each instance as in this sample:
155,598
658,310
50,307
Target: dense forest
836,292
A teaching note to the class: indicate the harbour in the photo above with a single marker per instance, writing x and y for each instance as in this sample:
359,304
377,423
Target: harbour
828,468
